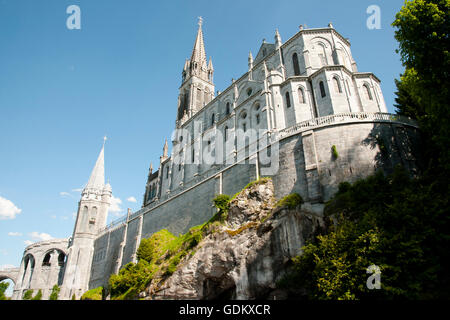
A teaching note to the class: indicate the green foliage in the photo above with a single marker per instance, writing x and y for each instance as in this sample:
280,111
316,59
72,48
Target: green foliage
27,295
153,247
395,222
423,90
93,294
334,152
73,297
38,295
262,180
222,202
159,254
3,287
55,292
291,201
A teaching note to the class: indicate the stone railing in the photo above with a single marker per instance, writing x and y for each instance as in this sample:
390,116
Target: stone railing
344,118
113,224
334,119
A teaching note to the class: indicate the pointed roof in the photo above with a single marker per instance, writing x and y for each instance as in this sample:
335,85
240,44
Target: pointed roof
198,52
210,65
97,178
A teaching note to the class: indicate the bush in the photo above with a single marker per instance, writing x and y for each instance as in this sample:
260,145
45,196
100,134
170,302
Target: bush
28,295
334,152
291,201
3,287
222,202
395,222
93,294
38,295
55,292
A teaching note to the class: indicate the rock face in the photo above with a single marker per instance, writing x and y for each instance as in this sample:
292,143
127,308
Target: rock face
246,256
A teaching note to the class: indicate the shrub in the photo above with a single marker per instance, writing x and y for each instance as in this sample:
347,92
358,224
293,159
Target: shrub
28,295
222,202
38,295
334,152
55,292
291,201
3,287
93,294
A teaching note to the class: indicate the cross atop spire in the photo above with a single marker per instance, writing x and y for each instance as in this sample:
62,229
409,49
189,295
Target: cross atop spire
198,52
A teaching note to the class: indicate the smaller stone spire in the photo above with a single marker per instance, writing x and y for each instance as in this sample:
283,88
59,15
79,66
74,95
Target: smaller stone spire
97,178
210,65
277,39
250,61
166,149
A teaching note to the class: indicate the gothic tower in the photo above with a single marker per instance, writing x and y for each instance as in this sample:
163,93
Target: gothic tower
197,88
91,218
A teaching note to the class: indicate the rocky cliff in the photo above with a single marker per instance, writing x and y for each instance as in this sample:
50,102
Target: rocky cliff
244,256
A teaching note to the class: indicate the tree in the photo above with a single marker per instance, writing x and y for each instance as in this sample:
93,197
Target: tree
54,293
3,287
27,295
395,222
38,295
422,32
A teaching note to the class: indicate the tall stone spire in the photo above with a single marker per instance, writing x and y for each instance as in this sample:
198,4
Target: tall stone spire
97,178
197,87
198,52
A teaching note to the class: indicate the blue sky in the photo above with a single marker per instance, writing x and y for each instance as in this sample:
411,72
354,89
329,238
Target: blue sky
62,90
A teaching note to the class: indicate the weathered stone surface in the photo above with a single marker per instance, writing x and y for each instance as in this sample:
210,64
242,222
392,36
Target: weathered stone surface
247,255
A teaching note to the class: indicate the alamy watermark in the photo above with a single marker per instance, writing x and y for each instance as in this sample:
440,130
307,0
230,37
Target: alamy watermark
74,20
374,20
373,281
225,147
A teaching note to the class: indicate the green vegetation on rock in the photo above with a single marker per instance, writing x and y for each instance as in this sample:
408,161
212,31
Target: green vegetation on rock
93,294
290,201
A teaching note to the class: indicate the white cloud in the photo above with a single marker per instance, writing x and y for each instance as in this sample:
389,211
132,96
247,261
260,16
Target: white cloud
131,199
14,234
64,194
28,242
8,210
7,266
40,236
77,190
115,205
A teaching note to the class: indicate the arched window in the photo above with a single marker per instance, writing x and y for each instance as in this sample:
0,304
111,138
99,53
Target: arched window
301,95
288,100
244,126
193,155
46,261
167,172
150,191
295,64
61,259
337,85
322,89
226,133
257,119
227,109
367,91
212,119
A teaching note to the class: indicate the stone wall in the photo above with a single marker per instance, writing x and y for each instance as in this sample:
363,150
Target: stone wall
306,166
